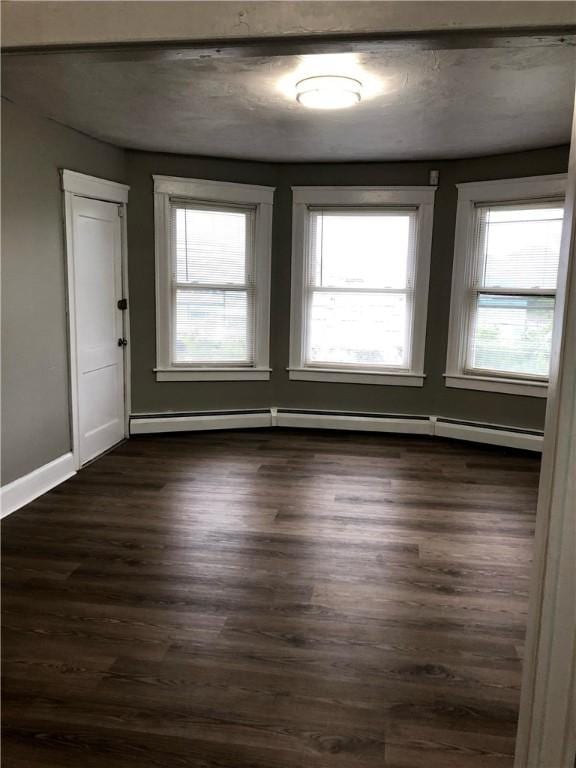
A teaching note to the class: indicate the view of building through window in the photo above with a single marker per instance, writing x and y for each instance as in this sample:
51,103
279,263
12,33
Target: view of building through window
516,252
213,285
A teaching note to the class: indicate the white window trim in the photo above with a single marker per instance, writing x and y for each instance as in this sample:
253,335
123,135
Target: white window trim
469,195
200,190
421,197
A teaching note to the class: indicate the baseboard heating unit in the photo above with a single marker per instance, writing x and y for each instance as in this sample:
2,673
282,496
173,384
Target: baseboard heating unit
258,418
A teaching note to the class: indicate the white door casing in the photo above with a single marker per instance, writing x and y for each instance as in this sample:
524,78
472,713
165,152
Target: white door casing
96,261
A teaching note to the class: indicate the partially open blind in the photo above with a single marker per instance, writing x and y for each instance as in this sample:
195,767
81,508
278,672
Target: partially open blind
359,285
212,284
516,249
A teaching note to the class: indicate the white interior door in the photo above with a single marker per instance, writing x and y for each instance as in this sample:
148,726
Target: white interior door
97,264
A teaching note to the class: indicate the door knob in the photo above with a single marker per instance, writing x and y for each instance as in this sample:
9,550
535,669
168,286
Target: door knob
122,342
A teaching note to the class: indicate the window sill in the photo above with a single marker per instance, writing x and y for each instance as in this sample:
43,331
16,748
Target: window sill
494,384
337,375
212,374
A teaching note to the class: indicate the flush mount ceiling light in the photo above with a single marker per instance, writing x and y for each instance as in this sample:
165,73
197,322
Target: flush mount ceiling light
328,92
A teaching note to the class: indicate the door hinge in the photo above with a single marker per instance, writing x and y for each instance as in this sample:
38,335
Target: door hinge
121,211
123,304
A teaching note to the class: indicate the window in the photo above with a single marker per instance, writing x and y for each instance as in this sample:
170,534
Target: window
213,279
504,284
360,282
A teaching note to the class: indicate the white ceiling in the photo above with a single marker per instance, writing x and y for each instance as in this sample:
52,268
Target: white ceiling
417,105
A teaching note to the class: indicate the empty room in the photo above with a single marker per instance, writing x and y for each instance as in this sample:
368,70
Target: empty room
288,384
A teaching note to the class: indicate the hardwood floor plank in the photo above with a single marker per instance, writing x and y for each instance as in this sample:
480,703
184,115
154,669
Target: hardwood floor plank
270,599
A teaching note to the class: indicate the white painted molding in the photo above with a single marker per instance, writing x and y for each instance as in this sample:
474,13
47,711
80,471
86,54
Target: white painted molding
220,191
360,422
92,186
494,384
551,185
212,374
508,438
401,195
145,425
490,434
25,489
342,376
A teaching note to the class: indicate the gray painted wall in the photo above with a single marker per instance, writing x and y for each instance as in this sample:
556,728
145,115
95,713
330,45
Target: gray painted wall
35,410
35,402
149,396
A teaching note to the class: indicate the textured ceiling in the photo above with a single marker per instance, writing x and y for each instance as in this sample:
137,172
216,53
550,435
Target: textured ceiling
53,22
418,104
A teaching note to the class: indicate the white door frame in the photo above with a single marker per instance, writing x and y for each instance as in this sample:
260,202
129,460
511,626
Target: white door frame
80,185
547,724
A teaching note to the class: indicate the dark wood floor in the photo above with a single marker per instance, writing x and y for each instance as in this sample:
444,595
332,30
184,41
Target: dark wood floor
270,599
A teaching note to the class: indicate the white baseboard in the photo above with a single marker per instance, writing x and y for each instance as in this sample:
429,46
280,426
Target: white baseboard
359,422
476,433
141,424
145,425
25,489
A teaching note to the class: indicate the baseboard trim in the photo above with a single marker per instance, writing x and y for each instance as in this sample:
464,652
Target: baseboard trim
25,489
492,434
418,425
154,424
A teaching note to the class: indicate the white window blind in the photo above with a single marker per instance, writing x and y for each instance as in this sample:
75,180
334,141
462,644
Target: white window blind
359,287
213,290
513,286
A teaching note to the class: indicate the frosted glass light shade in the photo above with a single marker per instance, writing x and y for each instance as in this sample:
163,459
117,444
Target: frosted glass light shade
328,92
